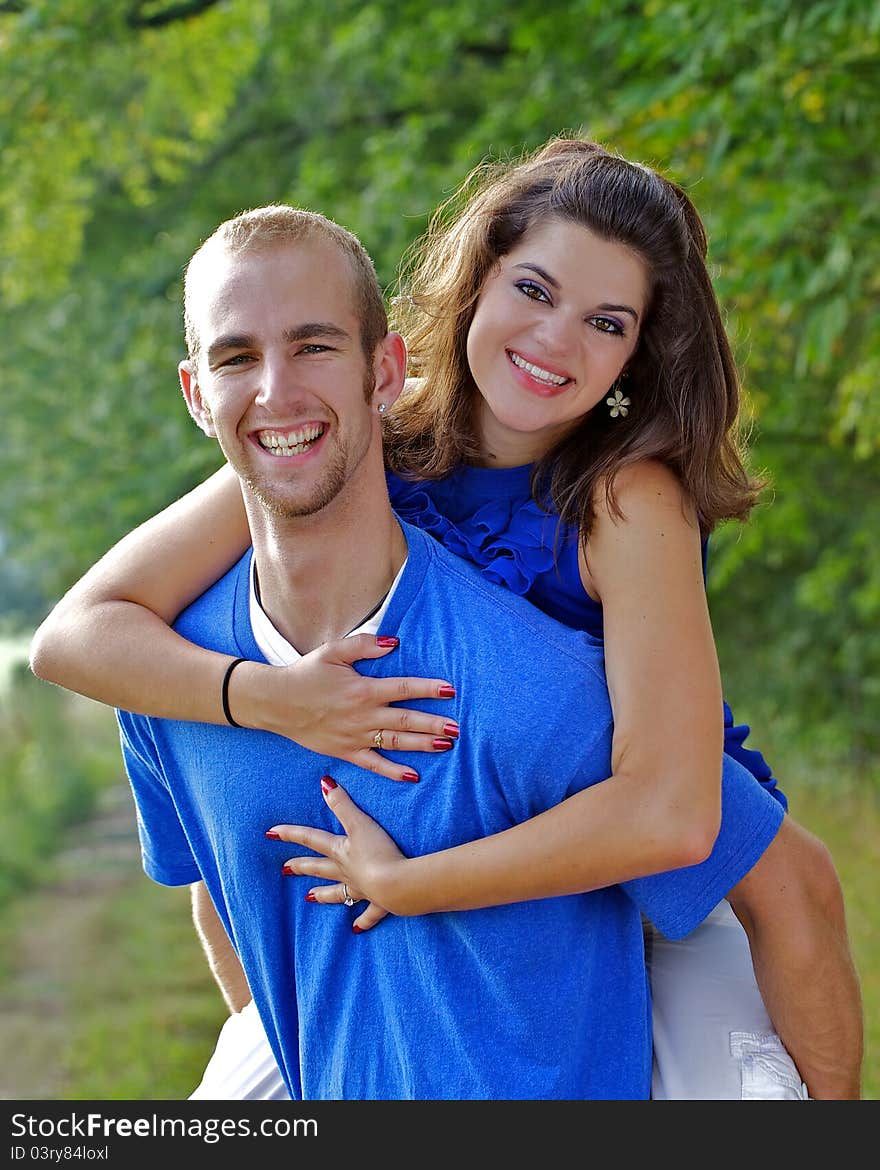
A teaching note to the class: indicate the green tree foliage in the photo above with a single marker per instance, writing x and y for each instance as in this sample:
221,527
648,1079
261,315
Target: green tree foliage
128,130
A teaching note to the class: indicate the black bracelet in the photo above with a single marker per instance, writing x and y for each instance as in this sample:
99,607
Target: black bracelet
224,691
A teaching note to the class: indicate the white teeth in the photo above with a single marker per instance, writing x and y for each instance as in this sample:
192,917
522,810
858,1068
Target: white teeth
536,371
293,443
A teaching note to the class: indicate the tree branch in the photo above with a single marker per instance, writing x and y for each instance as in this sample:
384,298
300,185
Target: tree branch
136,18
487,51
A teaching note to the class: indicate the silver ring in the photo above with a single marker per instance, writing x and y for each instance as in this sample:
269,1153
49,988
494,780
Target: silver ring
379,740
347,900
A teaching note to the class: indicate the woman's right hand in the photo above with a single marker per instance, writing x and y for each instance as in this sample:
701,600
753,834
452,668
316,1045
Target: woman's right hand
325,705
360,861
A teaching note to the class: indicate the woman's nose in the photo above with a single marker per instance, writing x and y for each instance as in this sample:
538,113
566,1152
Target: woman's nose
557,334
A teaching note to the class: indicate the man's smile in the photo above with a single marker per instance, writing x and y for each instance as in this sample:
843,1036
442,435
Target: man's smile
293,441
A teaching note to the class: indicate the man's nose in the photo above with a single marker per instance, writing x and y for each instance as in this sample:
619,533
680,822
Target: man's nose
278,384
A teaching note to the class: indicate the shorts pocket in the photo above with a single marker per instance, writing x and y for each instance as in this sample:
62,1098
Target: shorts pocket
768,1072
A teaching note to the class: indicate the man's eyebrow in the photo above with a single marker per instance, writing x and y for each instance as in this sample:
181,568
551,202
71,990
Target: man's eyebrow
308,331
313,329
554,283
229,341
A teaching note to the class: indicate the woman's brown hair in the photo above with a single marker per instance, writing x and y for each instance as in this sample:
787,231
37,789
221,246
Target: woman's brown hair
682,379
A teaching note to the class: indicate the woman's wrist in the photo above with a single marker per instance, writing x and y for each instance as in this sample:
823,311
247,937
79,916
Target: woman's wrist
396,888
251,696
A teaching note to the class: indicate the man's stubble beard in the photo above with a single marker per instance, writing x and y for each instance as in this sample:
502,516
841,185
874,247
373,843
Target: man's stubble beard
275,503
334,480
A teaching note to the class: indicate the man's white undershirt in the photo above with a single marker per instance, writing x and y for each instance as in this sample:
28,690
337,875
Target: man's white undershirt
276,648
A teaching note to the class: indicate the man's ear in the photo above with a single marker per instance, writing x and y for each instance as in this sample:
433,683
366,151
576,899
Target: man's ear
192,395
389,369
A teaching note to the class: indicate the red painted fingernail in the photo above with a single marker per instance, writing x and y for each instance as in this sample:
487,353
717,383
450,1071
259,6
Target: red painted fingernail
328,784
287,871
310,897
441,745
446,691
386,640
273,836
356,930
412,777
451,729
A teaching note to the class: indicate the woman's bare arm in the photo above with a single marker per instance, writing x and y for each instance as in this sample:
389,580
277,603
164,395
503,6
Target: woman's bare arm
660,660
661,807
110,638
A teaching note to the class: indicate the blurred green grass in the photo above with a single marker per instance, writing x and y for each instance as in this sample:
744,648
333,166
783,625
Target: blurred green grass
146,1017
56,756
105,991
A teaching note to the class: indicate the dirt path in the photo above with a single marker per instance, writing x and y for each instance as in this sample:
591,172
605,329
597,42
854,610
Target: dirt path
54,942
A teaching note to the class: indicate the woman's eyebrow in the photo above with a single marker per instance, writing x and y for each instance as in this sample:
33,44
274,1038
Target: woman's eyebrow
554,283
619,309
544,275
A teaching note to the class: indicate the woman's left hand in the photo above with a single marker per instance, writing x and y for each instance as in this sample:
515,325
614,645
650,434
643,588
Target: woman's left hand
362,859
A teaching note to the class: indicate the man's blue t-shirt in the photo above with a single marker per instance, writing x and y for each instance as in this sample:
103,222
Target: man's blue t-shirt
543,1000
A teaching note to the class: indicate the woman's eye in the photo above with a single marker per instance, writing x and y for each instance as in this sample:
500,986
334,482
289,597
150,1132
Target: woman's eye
607,325
532,290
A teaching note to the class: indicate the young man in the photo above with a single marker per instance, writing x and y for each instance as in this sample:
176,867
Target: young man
289,355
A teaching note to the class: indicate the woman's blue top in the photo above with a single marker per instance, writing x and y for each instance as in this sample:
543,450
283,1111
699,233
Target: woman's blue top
488,516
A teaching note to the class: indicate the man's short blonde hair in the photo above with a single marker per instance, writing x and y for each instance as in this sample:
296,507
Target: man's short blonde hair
277,224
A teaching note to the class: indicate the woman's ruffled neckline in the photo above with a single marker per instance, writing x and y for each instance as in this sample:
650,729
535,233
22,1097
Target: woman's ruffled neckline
508,536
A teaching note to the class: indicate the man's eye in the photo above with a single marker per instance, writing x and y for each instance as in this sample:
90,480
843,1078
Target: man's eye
237,359
533,291
315,348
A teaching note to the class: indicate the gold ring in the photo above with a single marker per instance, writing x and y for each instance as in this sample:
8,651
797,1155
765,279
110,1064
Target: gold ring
378,740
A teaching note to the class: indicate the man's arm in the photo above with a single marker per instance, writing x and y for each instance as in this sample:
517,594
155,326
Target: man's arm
791,907
222,959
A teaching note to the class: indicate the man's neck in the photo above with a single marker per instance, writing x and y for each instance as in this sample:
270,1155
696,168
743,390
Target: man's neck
320,576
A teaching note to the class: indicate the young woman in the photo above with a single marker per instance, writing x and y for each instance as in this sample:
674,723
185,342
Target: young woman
571,429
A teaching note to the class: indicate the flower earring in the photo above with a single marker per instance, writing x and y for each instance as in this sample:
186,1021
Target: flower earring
617,402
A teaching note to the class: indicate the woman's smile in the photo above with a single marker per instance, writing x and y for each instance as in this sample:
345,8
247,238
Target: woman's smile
538,379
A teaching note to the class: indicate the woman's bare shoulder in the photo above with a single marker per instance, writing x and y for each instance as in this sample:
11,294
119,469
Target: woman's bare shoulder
644,488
